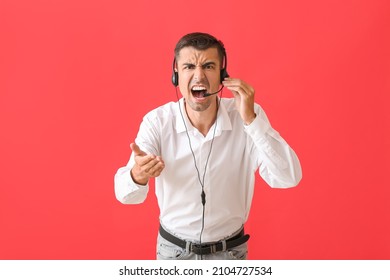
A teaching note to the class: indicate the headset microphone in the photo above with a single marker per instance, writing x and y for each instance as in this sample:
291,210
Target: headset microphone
209,94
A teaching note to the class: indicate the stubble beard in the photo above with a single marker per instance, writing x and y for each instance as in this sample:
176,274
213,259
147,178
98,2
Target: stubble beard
198,107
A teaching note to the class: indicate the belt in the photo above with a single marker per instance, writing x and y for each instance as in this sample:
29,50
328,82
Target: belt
207,248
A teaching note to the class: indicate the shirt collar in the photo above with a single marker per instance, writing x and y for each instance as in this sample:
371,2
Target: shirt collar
223,120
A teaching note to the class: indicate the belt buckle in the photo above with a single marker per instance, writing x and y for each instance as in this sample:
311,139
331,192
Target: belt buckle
194,248
198,248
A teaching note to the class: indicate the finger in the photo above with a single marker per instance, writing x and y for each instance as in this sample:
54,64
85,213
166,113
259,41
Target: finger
151,166
156,170
238,90
244,90
235,84
144,160
160,159
136,149
232,81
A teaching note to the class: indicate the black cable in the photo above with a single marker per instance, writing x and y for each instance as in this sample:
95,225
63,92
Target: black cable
201,181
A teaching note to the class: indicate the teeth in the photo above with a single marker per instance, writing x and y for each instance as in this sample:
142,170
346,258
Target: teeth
198,88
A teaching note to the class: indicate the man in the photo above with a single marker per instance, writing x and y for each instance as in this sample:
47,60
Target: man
203,151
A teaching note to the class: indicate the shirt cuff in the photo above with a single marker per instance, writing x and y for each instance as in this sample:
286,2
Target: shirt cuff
257,129
130,179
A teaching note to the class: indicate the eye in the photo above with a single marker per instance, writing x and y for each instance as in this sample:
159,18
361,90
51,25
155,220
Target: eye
188,66
209,66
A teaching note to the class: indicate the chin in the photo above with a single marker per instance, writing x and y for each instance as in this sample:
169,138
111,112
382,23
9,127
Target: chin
199,107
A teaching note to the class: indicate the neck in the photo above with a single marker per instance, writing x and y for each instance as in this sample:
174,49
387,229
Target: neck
203,120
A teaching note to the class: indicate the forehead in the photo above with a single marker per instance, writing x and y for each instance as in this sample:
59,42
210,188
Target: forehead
190,54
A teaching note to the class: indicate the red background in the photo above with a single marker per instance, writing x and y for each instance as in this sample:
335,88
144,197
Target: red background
76,77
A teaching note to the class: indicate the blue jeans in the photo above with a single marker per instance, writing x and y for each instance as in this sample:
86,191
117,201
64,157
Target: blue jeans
169,251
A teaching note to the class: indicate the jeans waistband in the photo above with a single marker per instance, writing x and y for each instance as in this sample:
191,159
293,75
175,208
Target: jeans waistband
207,248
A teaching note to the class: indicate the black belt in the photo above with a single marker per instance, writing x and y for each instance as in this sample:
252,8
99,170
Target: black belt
207,248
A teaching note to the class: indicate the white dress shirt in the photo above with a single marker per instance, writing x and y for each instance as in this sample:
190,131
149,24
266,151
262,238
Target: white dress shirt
236,153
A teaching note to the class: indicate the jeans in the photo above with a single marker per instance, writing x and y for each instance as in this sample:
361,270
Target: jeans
169,251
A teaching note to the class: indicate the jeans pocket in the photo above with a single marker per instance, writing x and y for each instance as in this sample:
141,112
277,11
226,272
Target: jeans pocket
239,252
169,251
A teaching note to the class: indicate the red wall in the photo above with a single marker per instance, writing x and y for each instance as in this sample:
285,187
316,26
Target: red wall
76,77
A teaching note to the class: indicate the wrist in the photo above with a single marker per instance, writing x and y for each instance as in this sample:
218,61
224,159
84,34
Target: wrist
138,178
249,120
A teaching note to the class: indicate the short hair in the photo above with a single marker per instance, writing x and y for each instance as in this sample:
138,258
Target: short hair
200,41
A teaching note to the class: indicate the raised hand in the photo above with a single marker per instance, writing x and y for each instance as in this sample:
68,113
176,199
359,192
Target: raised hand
244,96
146,165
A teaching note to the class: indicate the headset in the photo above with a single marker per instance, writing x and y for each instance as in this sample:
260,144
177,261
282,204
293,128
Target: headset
223,73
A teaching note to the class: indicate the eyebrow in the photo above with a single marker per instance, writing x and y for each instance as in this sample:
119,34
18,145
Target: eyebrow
209,63
203,65
188,64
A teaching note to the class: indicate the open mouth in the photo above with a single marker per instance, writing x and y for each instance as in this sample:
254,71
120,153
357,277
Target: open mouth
198,91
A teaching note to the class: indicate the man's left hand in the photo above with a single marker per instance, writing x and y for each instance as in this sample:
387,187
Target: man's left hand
244,96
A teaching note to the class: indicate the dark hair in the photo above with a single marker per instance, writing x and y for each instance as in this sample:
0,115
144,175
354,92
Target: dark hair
200,41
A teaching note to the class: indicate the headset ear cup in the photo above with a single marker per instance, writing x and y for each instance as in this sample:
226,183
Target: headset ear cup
224,74
175,74
175,78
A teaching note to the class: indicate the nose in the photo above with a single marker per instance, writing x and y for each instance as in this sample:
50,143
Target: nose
199,74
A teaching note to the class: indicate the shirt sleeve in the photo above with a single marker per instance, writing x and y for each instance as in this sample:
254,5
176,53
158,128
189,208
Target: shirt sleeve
126,190
278,164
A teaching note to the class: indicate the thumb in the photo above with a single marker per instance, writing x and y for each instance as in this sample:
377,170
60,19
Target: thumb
137,151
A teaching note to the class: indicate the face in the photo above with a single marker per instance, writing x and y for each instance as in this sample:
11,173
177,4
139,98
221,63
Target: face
199,72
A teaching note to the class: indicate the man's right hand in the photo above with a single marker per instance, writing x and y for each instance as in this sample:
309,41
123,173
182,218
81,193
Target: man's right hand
146,166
